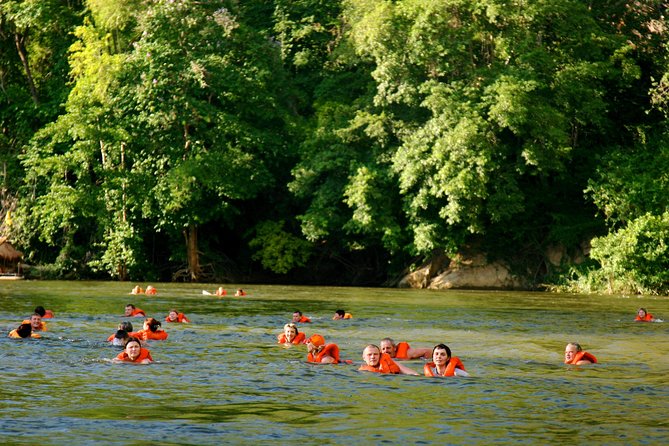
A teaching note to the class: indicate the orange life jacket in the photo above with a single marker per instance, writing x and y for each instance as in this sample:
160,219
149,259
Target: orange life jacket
582,356
346,316
147,334
15,335
299,339
150,291
453,363
329,350
220,292
48,314
137,312
180,318
647,318
386,365
402,350
143,354
304,319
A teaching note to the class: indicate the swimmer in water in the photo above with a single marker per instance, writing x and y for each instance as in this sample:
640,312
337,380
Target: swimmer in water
290,335
378,362
574,354
134,352
443,364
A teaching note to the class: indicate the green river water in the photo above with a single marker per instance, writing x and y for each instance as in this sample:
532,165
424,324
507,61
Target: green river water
223,380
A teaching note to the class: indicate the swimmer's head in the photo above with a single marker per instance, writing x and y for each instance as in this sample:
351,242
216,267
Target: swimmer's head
441,353
371,355
571,349
290,330
316,340
152,324
24,330
388,347
125,325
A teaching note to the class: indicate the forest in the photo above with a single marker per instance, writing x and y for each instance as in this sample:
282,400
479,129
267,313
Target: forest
338,142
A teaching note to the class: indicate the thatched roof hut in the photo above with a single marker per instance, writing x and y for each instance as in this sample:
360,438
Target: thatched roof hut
10,258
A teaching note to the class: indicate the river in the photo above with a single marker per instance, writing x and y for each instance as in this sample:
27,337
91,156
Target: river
223,380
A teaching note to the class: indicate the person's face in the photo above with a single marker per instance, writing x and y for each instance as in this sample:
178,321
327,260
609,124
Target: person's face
371,356
128,310
641,313
388,348
311,348
296,317
173,315
569,352
146,325
289,332
439,356
338,316
132,350
36,321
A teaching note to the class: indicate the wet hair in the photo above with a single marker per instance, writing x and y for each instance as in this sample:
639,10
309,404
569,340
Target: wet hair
24,330
131,306
121,334
388,340
153,324
442,347
577,345
132,339
40,310
298,312
373,346
125,325
290,324
642,309
341,313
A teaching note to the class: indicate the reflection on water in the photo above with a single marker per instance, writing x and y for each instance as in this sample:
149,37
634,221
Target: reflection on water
222,379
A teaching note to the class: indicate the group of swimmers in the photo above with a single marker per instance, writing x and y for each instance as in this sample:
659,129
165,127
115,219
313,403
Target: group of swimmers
378,359
382,359
133,350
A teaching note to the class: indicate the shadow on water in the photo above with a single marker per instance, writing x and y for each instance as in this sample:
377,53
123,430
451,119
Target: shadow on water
222,379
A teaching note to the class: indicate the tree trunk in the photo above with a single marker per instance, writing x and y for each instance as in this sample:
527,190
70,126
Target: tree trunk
194,269
20,47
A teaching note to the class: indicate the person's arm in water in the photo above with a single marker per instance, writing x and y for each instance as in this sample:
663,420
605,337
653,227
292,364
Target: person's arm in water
415,353
406,370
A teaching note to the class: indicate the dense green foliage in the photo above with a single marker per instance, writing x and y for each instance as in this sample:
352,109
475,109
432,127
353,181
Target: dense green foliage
197,140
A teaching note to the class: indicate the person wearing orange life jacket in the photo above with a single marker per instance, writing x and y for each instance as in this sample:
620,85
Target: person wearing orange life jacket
643,316
290,335
36,322
150,291
46,314
220,291
321,353
122,326
175,316
150,331
574,354
443,364
298,318
132,311
341,314
134,352
24,330
240,292
402,350
378,362
137,290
